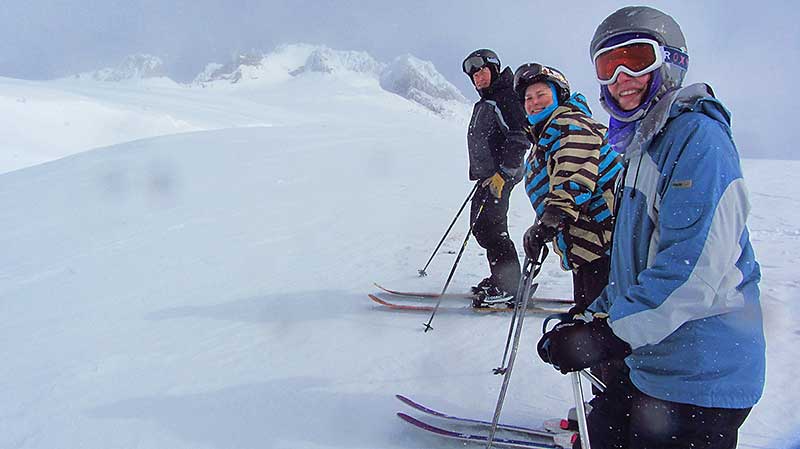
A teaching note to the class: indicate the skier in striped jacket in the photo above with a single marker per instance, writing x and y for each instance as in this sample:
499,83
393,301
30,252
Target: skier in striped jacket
569,178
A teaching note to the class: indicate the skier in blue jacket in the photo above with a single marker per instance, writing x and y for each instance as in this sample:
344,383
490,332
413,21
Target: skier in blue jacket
682,305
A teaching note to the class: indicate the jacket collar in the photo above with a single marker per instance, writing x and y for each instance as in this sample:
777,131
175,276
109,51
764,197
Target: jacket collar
576,103
505,80
696,97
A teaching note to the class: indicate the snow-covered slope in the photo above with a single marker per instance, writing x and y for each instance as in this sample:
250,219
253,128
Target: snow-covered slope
207,289
43,121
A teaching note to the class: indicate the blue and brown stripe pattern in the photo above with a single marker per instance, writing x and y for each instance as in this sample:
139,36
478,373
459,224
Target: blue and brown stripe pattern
571,170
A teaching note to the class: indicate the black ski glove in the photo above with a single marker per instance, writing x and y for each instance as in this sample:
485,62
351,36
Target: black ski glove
576,344
541,232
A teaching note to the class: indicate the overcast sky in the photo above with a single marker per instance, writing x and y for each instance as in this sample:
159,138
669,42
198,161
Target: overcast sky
746,50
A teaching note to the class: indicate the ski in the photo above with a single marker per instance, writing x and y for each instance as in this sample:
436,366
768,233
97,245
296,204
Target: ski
468,421
425,308
427,295
470,296
544,442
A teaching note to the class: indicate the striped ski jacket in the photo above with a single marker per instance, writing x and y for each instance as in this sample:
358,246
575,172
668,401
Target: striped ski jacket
571,172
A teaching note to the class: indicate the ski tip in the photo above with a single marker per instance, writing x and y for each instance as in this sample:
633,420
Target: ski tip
406,417
378,300
405,400
411,420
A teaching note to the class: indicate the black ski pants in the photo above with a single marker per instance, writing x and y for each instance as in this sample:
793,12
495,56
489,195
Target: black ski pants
588,281
625,418
490,229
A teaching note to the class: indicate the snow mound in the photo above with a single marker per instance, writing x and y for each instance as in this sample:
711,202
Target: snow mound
419,81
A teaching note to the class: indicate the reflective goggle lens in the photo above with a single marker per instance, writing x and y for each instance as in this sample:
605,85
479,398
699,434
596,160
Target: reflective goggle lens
638,57
473,64
526,73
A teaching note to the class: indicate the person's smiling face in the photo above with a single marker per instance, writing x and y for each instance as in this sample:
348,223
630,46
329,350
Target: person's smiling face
538,96
629,91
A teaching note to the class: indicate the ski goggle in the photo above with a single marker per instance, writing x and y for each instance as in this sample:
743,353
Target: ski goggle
527,74
475,63
635,57
530,73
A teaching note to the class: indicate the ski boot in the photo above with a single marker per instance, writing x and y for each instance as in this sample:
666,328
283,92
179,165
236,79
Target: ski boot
493,298
483,285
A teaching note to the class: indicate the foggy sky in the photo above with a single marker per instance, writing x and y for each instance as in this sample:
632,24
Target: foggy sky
746,50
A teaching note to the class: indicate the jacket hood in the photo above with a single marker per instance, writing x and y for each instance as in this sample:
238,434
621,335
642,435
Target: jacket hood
577,102
700,100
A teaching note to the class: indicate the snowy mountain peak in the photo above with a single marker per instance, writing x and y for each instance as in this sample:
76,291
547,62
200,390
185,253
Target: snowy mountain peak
419,81
238,68
133,67
327,60
407,76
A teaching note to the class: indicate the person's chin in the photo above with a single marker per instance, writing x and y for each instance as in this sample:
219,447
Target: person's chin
630,104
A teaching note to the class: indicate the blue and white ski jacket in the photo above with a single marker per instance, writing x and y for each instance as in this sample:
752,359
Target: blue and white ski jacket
683,289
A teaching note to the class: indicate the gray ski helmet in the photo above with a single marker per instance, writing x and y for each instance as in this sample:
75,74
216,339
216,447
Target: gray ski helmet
478,59
531,73
644,20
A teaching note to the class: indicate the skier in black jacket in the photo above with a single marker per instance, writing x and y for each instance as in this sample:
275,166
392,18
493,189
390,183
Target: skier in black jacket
497,145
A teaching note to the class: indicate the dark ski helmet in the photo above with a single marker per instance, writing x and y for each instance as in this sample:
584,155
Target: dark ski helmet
528,74
646,21
479,59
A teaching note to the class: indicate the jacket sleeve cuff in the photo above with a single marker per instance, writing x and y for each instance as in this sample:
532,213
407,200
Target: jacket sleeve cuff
565,214
508,173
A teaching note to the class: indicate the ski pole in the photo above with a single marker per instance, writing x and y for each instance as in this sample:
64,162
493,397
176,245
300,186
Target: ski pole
455,264
580,408
529,289
526,270
526,267
593,379
422,272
